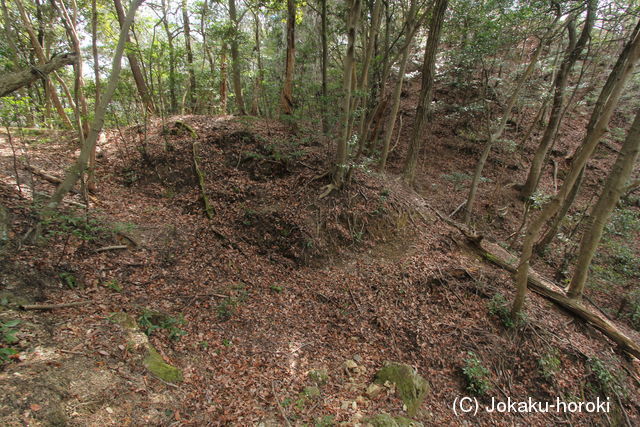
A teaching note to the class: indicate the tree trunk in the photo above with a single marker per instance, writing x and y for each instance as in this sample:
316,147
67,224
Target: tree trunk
494,135
342,150
38,48
325,60
613,189
80,165
235,59
190,67
286,100
11,82
574,50
410,25
223,79
134,65
426,93
257,89
598,123
173,98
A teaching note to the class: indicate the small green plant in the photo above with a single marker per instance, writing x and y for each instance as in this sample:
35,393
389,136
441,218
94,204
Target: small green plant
476,374
549,364
68,279
8,333
539,199
151,321
227,342
499,307
204,345
226,308
276,288
605,380
113,285
69,223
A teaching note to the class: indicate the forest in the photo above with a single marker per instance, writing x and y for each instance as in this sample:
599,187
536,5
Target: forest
319,212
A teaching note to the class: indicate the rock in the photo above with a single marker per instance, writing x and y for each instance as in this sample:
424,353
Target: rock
386,420
357,358
127,321
350,366
410,386
318,376
373,391
156,365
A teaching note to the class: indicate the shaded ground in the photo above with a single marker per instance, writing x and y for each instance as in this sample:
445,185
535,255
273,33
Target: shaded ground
277,284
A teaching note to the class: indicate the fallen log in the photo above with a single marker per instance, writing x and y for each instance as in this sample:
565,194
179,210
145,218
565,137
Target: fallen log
53,306
14,81
497,255
538,284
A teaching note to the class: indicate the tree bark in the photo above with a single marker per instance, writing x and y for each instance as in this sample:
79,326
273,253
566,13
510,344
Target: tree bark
325,60
613,189
134,65
342,150
410,24
11,82
191,94
286,99
235,59
426,93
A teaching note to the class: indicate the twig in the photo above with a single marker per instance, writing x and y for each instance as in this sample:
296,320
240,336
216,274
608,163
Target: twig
275,397
53,306
112,248
455,211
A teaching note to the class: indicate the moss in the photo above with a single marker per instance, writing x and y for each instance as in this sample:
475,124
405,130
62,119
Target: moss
411,387
386,420
158,367
311,392
125,320
319,376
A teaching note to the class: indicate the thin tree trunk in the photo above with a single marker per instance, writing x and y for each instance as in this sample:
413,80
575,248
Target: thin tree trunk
613,189
257,89
342,151
607,101
40,54
75,172
191,94
410,25
235,59
223,79
325,60
134,65
286,99
494,135
173,98
426,93
574,50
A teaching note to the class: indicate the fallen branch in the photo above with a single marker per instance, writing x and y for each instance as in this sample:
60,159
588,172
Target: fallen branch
53,306
112,248
42,174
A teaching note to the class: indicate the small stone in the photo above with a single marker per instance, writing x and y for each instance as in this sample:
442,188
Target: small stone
318,376
373,391
350,364
357,358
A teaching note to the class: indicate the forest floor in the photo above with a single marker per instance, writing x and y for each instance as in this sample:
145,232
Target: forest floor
279,286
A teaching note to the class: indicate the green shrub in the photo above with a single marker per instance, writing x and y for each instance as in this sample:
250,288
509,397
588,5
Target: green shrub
476,374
